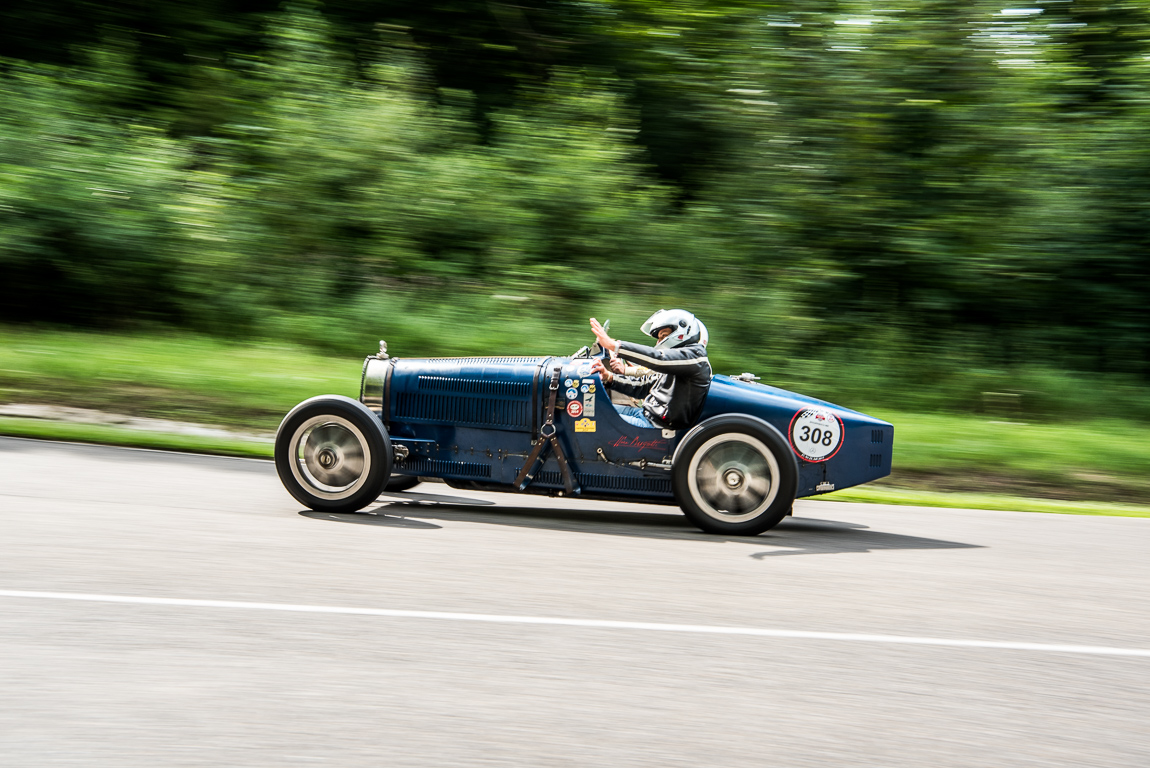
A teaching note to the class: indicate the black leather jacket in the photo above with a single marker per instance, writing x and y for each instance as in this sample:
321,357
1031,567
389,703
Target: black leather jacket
673,395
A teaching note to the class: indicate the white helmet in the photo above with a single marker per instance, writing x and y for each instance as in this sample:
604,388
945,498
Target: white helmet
685,327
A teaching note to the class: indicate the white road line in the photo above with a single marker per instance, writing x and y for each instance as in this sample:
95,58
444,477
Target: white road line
1096,650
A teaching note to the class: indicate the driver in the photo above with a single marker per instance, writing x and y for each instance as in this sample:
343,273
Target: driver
632,370
680,374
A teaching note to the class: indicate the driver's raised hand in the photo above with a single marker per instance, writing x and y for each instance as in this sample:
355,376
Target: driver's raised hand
605,341
598,367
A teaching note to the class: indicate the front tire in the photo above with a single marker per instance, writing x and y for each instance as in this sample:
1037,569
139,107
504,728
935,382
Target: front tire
735,475
333,454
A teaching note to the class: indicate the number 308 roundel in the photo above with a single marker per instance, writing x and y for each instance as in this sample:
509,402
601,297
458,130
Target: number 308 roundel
815,434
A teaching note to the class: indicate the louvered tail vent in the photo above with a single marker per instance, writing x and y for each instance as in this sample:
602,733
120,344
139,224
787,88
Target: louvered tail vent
481,411
876,435
876,459
607,483
425,466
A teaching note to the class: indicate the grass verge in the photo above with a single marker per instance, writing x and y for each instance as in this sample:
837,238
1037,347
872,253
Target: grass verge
104,435
1097,460
183,377
919,498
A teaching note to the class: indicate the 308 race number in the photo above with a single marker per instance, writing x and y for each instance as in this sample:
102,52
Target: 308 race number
816,434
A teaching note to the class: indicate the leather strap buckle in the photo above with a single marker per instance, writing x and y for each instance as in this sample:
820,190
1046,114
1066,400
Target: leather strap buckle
548,438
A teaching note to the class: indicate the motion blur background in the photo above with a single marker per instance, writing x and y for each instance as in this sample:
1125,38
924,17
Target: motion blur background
927,205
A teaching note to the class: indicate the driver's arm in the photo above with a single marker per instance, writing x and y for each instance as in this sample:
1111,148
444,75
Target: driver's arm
676,361
623,369
635,387
690,360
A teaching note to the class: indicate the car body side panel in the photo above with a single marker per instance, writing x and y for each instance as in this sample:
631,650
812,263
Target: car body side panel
471,422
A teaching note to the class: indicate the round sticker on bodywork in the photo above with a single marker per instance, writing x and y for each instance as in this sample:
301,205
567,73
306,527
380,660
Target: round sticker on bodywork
816,434
574,409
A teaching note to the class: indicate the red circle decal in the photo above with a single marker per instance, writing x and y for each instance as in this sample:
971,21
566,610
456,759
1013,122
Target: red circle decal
574,409
816,434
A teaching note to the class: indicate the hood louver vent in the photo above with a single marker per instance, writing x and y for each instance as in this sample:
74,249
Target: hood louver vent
478,411
485,392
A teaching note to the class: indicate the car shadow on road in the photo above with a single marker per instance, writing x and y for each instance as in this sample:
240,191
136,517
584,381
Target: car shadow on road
812,536
369,518
378,515
793,536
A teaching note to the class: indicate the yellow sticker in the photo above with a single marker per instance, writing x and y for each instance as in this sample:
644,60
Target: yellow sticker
585,425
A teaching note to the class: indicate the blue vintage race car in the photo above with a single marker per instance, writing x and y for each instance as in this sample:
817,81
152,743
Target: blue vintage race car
547,425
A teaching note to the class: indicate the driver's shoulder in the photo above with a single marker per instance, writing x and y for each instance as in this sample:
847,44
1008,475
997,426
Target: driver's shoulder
690,351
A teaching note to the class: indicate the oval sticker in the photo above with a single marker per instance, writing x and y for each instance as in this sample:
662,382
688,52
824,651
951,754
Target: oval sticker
816,434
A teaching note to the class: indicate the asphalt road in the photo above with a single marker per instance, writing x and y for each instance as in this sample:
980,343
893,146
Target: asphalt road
264,676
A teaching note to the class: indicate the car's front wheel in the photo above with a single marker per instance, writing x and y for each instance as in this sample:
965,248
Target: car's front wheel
333,454
735,475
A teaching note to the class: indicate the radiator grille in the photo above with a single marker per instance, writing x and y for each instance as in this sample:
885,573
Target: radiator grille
463,410
608,483
876,459
476,386
425,466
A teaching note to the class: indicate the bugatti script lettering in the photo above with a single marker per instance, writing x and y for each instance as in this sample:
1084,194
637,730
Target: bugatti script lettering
642,445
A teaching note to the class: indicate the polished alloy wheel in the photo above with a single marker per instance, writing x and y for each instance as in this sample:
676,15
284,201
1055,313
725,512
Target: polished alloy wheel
733,477
330,456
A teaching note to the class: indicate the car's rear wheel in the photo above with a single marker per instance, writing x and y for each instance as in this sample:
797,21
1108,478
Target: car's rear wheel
735,475
333,454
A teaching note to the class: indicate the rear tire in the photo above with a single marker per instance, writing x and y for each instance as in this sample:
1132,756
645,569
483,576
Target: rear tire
735,475
333,454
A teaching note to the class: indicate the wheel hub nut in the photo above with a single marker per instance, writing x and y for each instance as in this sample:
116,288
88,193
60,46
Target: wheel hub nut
734,478
326,458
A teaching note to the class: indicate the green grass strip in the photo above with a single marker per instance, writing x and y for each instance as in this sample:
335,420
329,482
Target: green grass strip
133,438
907,497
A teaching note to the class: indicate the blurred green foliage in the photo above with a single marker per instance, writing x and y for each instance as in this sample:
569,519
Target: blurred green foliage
906,206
